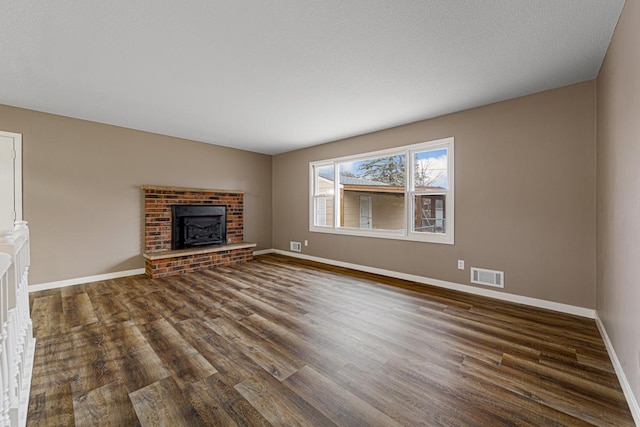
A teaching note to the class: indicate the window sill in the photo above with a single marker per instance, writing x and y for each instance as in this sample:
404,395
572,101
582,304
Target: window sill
444,239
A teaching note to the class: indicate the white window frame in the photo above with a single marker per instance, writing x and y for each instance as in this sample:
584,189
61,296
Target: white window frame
315,195
407,234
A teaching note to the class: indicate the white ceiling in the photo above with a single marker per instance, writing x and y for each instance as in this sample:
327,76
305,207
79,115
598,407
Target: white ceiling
272,75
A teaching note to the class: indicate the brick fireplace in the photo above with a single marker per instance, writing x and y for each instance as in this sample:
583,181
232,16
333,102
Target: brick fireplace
161,260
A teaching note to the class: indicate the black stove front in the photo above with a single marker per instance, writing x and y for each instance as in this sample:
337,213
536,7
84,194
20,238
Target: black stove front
198,225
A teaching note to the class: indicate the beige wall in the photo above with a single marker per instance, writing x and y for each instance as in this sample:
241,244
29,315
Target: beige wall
82,197
618,193
525,200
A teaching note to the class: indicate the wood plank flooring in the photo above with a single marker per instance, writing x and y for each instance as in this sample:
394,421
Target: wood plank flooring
284,342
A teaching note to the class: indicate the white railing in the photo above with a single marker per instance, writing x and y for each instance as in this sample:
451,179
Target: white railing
16,336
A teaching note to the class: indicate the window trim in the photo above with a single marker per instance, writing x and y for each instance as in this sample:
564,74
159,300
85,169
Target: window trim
409,194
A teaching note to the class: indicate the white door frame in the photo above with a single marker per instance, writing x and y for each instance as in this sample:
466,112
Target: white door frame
17,172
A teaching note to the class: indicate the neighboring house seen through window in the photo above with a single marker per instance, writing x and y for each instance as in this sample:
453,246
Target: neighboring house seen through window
402,193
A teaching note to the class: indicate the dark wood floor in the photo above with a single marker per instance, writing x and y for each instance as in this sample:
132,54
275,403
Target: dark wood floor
283,342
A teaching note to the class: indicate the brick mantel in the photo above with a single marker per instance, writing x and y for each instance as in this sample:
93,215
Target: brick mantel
157,230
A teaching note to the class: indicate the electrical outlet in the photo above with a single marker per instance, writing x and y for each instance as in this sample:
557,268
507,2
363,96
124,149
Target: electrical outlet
306,243
460,264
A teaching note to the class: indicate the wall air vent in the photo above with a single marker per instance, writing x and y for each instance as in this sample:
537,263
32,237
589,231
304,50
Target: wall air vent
295,246
486,277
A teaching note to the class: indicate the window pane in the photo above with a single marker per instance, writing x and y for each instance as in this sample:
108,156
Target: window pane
430,214
430,169
323,199
372,193
323,211
377,172
373,210
323,180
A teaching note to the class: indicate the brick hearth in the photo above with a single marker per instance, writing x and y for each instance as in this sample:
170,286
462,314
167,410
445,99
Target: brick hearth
161,261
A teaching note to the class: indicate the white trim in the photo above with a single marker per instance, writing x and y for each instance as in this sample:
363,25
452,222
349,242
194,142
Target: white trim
17,172
504,296
624,383
108,276
83,280
17,164
407,233
262,252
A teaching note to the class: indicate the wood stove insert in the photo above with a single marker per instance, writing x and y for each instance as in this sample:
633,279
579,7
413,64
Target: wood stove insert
198,225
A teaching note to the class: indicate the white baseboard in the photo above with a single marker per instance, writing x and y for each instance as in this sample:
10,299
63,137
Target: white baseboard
83,280
263,252
504,296
535,302
624,383
99,277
